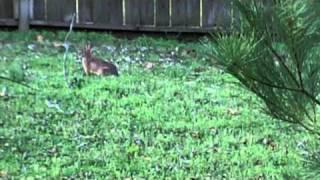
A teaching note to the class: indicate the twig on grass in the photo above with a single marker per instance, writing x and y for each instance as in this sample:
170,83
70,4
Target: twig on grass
17,82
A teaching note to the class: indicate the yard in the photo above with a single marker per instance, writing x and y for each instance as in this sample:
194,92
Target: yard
170,114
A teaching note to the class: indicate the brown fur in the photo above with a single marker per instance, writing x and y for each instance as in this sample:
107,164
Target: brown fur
93,65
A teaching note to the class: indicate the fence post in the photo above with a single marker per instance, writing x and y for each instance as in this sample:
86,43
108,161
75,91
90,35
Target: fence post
23,15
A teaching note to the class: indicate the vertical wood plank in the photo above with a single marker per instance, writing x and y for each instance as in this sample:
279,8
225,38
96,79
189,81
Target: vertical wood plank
107,12
140,12
115,12
31,9
179,12
6,8
132,12
16,9
39,9
193,12
209,13
68,9
100,12
85,11
146,12
54,8
163,13
216,13
60,10
186,12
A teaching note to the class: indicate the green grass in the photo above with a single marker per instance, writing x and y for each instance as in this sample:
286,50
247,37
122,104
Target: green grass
181,120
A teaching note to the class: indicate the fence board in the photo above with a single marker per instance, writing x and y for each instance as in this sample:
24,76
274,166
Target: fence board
85,11
163,13
6,9
54,8
146,12
179,13
185,12
107,12
216,13
39,10
60,10
116,14
132,12
139,12
100,11
69,8
193,12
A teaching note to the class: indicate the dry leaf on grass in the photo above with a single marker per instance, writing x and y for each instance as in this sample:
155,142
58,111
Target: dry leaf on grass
57,44
149,65
40,38
233,112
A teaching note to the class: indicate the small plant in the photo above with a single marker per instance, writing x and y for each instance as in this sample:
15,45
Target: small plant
276,56
16,72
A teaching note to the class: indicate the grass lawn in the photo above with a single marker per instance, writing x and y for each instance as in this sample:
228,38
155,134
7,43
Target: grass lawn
168,115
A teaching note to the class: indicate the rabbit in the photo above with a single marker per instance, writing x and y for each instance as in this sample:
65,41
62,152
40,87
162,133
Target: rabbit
93,65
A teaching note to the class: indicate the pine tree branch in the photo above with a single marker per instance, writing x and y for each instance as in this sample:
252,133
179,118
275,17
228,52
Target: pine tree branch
303,91
273,85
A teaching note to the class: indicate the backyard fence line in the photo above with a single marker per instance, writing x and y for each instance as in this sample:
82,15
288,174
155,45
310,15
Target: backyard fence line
149,15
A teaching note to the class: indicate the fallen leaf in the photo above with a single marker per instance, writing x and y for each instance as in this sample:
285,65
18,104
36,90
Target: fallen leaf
149,65
268,142
57,44
233,112
146,158
184,53
40,38
53,151
54,105
3,174
4,92
32,47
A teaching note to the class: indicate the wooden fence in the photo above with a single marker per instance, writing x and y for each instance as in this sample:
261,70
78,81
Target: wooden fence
148,15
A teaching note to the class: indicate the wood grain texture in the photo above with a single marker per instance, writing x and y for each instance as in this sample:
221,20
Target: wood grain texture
139,12
179,11
193,12
60,10
216,13
185,13
146,8
38,10
132,12
163,13
6,9
85,11
100,12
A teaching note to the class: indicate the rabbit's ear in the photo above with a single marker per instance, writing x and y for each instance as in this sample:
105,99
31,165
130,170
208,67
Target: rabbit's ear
90,48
